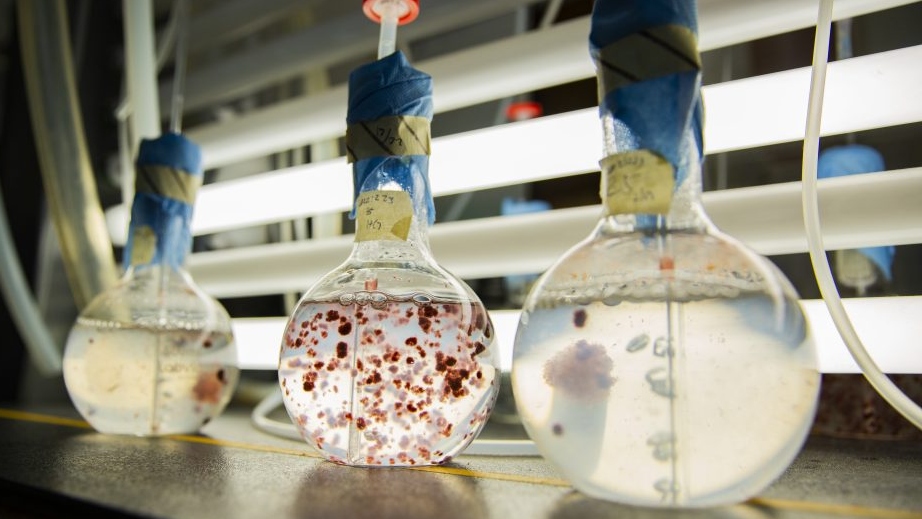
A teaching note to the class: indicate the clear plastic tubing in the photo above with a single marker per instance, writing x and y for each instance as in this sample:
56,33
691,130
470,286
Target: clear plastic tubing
387,41
884,386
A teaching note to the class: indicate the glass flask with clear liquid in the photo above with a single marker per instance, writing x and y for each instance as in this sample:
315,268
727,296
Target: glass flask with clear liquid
389,359
660,362
154,355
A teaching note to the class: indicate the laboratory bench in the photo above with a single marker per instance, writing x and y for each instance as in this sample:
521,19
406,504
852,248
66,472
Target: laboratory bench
52,464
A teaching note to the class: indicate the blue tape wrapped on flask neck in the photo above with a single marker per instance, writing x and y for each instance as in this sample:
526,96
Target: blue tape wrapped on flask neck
649,73
391,89
168,173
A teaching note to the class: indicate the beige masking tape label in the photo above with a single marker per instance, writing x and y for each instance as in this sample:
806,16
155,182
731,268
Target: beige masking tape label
391,136
168,182
637,182
648,54
383,215
143,245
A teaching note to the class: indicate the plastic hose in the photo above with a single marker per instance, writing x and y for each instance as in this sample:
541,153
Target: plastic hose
24,310
387,41
878,380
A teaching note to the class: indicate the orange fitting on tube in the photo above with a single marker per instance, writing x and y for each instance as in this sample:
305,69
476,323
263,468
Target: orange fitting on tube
411,11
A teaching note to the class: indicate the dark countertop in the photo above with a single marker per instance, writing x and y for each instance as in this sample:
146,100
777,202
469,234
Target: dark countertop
53,465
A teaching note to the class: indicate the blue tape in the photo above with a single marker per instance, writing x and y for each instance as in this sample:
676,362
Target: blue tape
656,112
170,219
389,87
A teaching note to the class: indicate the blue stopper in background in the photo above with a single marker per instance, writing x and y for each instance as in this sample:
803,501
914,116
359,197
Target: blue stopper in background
390,86
854,159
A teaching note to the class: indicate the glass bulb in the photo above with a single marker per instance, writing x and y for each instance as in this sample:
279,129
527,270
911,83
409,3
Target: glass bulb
660,362
154,355
389,359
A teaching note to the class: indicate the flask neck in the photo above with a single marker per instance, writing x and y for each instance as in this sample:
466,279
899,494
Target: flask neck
393,209
159,233
643,190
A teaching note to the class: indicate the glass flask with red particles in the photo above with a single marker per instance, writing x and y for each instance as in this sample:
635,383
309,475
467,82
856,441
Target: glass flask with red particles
389,359
154,355
660,362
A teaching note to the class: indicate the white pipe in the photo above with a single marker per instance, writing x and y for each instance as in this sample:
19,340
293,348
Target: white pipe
872,372
141,66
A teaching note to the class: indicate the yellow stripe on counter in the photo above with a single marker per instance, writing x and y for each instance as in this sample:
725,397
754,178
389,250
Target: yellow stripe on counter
42,418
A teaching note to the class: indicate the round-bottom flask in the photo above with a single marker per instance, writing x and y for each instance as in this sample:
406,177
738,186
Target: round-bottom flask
154,355
389,365
660,362
151,357
389,360
665,368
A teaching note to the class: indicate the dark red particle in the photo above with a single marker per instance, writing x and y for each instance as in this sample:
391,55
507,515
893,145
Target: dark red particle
345,328
298,342
220,375
398,405
488,332
478,348
378,331
579,318
410,360
375,377
360,424
359,365
422,352
318,364
412,408
304,323
332,315
309,381
207,343
348,416
425,324
454,382
342,349
557,429
451,361
429,311
394,369
411,341
464,373
479,374
480,319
